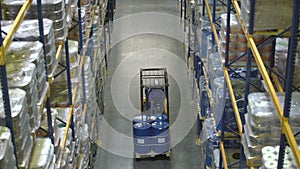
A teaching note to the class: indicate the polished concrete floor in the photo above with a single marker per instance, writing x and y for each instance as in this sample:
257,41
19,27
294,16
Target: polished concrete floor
146,33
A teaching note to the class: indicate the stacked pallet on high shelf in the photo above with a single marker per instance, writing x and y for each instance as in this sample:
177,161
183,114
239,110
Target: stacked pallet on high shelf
236,94
72,91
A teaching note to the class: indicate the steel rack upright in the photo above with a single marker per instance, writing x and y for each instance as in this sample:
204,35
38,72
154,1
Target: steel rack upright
5,43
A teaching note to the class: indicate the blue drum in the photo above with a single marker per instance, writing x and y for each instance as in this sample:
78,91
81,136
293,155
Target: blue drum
160,137
142,141
143,118
161,117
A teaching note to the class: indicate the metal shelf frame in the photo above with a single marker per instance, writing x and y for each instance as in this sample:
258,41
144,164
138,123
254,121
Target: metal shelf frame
72,96
286,129
4,45
287,136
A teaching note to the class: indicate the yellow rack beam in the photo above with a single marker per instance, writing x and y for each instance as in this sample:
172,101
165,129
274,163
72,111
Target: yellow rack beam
84,111
58,52
67,127
213,26
16,24
284,121
69,118
233,101
223,155
57,58
277,83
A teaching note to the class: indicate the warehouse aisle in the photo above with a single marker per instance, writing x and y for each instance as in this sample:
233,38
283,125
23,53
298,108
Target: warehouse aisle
146,33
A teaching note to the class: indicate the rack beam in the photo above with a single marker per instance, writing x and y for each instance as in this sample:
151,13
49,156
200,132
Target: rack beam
67,127
69,119
233,101
277,83
57,59
284,121
223,155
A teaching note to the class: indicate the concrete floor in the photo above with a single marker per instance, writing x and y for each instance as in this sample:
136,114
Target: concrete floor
146,33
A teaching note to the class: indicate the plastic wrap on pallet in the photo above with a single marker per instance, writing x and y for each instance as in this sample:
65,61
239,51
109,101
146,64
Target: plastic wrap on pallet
208,131
74,73
204,99
53,10
23,139
264,10
84,145
238,43
23,75
42,154
262,111
74,33
73,52
23,51
44,120
262,124
281,60
7,157
29,31
214,65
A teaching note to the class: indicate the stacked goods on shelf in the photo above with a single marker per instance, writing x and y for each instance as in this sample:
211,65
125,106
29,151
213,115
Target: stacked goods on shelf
23,76
65,158
204,98
87,5
238,42
52,9
102,12
89,82
210,142
59,90
270,157
26,70
7,157
21,125
264,10
83,157
281,59
90,93
262,126
29,31
71,6
216,80
42,154
86,16
31,52
44,122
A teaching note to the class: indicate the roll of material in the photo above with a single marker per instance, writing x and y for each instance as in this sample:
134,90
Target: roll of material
287,164
269,157
288,151
272,164
268,149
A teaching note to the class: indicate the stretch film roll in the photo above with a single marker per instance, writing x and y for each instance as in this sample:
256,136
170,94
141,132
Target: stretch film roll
267,150
272,164
269,157
287,164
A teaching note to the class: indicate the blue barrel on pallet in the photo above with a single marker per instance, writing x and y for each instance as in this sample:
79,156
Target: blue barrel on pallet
142,141
143,118
160,137
161,117
157,100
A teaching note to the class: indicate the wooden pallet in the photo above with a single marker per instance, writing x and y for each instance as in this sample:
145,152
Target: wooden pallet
152,155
